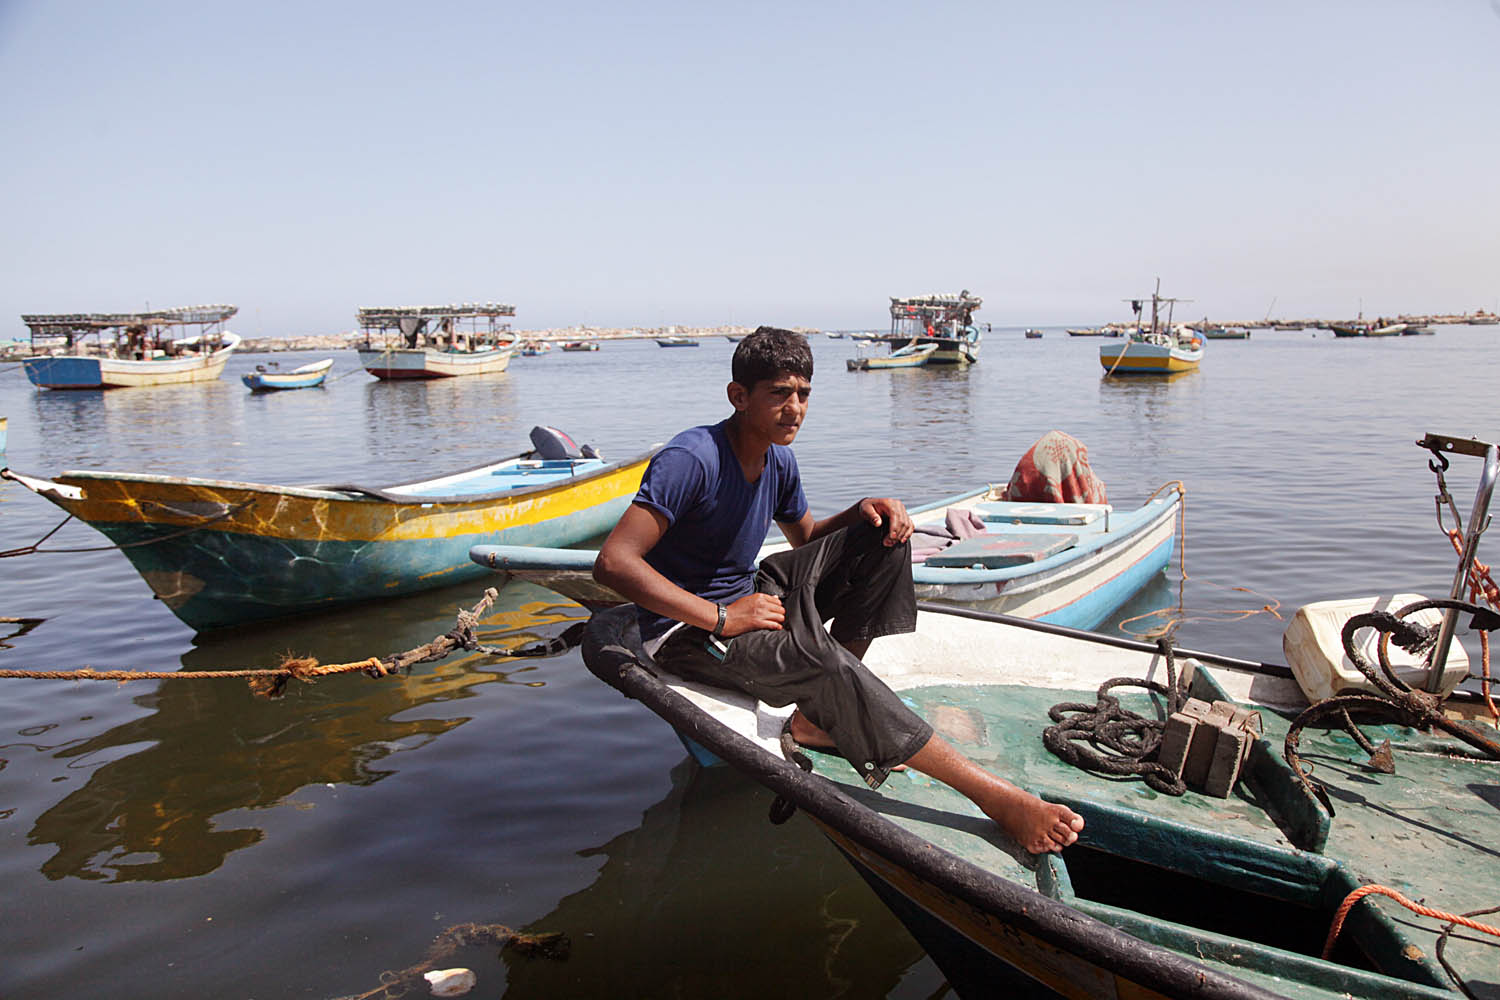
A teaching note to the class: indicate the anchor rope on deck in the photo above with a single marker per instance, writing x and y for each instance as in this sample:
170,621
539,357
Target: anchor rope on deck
1481,584
271,682
1108,739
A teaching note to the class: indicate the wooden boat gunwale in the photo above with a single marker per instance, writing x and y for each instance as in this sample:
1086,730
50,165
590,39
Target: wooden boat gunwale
355,492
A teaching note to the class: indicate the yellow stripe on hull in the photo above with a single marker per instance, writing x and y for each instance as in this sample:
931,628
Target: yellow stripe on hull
1143,364
321,516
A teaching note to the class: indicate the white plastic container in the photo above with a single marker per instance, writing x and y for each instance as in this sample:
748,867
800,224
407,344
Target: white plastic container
1314,647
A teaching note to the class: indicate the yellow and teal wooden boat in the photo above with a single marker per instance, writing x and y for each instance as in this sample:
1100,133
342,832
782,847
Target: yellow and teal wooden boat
1160,349
223,553
1334,866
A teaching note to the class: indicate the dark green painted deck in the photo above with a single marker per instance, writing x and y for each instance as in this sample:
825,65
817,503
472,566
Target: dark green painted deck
1218,879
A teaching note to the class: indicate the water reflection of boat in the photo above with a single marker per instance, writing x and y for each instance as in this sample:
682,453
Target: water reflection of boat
1172,891
222,553
822,925
172,793
117,350
424,342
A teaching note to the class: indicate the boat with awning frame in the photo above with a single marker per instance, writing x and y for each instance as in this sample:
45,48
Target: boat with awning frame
425,342
123,350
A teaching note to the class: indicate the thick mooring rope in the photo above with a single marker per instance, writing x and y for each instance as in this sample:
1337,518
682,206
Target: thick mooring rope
271,682
1108,739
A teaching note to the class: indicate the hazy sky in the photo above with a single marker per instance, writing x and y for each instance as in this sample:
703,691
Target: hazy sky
790,163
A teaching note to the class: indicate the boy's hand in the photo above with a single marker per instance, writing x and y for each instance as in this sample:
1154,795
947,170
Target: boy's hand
753,611
890,512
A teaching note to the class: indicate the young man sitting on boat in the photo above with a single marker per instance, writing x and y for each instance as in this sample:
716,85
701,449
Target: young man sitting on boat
684,552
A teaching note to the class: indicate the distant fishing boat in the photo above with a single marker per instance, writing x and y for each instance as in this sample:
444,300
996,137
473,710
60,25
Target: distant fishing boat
1033,334
1160,350
581,345
1382,329
1225,333
268,377
424,342
1349,329
534,348
945,320
223,553
1417,330
910,356
676,342
121,350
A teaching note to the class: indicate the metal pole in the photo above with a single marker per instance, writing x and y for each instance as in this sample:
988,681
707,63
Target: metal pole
1477,518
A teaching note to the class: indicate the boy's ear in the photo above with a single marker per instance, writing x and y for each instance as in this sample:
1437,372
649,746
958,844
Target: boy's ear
739,396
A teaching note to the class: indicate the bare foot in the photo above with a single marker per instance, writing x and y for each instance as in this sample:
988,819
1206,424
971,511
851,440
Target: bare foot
1037,825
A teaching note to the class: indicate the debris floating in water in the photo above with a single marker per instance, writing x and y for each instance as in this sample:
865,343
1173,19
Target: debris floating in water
449,982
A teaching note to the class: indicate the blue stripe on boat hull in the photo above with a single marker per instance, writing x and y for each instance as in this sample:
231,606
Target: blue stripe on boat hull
1095,607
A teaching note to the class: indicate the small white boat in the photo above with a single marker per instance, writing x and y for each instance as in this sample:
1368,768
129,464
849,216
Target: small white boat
268,377
911,356
1068,563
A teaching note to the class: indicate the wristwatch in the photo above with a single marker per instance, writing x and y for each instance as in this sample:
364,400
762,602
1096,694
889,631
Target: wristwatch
718,632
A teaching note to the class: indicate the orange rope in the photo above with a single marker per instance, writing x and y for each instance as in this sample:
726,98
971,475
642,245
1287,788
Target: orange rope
1363,891
1481,582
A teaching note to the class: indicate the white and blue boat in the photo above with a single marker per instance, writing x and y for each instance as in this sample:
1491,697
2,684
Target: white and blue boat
268,377
121,350
1068,564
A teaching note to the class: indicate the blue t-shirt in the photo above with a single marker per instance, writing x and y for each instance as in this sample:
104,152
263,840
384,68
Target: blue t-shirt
716,521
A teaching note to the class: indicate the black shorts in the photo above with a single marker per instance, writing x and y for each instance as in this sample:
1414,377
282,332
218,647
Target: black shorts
865,587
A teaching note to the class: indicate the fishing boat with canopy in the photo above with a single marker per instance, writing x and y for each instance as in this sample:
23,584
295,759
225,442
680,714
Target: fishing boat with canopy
944,321
120,350
421,342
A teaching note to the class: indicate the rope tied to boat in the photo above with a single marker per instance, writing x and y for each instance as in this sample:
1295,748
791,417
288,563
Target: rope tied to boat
1394,700
35,547
1107,738
271,682
1452,919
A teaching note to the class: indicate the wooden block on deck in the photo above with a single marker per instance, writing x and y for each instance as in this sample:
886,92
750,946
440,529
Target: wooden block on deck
997,551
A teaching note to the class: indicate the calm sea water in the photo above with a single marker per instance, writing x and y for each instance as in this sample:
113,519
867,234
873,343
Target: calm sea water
184,839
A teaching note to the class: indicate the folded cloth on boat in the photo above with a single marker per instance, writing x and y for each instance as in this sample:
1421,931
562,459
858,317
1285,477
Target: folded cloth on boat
1055,470
958,523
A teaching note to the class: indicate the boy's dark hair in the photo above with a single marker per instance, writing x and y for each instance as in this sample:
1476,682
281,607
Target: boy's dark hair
768,352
